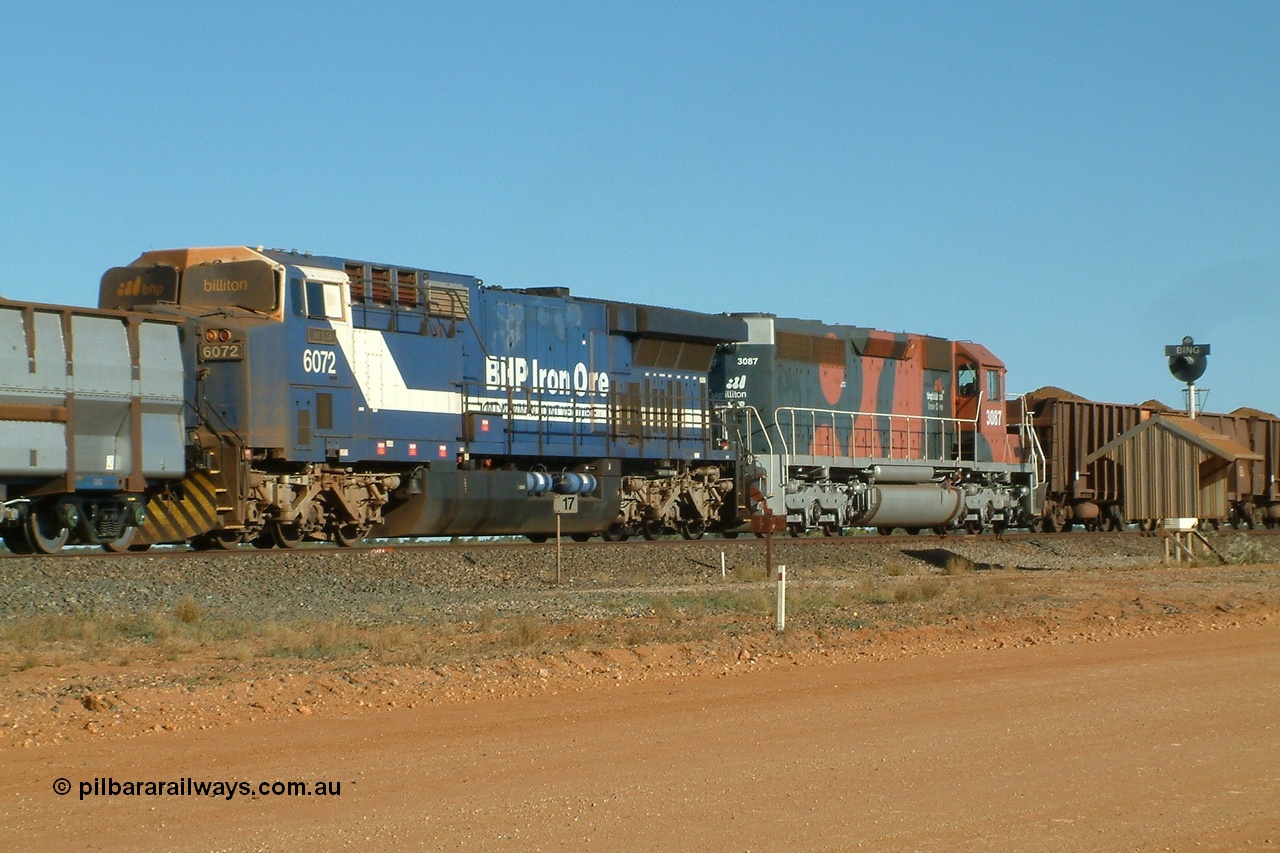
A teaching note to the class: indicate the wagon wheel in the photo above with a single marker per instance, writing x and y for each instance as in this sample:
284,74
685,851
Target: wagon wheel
730,534
349,535
15,539
651,529
1055,519
537,538
580,537
884,531
286,535
795,529
124,543
830,529
216,540
45,535
263,540
693,528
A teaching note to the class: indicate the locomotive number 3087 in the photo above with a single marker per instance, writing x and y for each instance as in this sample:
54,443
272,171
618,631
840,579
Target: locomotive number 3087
320,361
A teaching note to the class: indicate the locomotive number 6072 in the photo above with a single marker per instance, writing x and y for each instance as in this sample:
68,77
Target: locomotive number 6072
222,352
320,361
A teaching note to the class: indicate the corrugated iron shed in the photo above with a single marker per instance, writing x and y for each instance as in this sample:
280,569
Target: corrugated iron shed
1174,467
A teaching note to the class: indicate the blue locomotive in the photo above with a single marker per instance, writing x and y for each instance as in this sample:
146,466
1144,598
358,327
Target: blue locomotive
329,398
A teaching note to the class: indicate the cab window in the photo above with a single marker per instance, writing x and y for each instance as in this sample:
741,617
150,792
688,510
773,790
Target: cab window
993,386
967,380
324,300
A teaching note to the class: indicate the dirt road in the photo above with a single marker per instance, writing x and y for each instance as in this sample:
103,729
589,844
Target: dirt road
1161,742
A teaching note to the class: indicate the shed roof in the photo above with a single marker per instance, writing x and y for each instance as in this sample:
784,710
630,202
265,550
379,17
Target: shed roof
1186,429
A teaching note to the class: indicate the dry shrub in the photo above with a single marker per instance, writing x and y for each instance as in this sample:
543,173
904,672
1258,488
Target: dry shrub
870,592
187,610
524,630
896,568
921,589
985,594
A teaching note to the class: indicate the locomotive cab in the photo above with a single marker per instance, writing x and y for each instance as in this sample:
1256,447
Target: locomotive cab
979,404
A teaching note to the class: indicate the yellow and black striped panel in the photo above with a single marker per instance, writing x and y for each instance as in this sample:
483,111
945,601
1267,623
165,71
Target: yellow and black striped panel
170,519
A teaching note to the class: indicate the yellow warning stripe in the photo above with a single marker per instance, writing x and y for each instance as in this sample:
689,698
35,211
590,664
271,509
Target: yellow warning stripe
190,510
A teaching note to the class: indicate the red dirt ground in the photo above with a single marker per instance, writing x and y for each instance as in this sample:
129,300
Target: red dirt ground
1149,734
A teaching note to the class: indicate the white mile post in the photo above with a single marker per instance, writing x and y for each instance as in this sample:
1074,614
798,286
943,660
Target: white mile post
780,624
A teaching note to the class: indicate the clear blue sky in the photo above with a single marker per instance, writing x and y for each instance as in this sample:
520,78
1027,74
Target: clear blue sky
1072,184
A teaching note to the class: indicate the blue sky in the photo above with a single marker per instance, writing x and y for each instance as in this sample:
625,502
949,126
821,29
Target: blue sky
1072,184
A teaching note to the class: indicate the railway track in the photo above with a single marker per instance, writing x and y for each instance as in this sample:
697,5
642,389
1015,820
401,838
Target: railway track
516,545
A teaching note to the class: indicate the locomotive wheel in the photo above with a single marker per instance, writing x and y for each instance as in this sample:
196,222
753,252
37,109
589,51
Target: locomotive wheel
614,533
693,528
45,535
795,529
349,535
651,529
286,535
830,529
15,540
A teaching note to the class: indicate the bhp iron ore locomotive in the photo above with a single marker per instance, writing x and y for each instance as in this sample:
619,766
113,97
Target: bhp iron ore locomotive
230,395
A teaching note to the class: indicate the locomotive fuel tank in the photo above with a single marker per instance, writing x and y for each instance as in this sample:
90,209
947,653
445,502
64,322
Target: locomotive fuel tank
916,506
441,500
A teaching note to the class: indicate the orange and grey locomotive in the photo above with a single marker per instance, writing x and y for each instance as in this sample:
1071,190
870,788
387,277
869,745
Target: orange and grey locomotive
841,426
